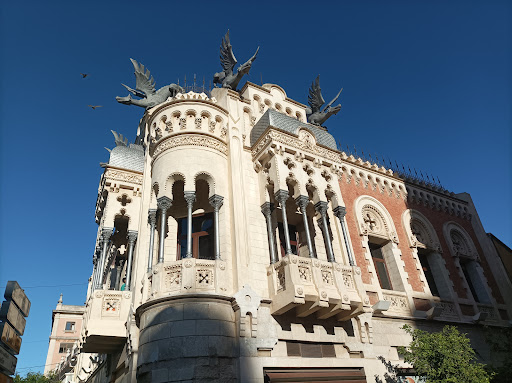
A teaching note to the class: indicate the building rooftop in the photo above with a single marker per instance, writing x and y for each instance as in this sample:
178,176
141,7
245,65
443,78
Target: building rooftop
292,125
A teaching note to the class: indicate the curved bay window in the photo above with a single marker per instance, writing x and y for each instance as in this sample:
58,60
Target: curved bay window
202,236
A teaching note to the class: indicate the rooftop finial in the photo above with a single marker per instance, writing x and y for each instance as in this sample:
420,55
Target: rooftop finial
60,299
314,113
145,89
227,78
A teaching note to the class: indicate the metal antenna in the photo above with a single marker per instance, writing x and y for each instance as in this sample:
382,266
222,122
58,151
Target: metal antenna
261,79
185,81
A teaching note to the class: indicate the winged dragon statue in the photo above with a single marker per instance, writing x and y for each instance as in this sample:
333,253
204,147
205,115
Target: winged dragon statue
227,78
315,114
145,89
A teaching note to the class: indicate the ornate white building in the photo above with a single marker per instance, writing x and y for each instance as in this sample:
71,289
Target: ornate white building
255,251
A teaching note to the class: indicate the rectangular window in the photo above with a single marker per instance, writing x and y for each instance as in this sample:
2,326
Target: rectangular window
202,236
64,347
380,267
70,326
428,274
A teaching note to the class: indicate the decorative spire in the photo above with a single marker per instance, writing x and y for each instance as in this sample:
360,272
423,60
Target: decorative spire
60,299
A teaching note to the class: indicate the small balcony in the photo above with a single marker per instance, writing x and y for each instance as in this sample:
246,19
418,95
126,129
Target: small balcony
104,329
316,287
187,276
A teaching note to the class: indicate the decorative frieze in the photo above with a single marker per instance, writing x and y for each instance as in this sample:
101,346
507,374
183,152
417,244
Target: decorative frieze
190,140
123,176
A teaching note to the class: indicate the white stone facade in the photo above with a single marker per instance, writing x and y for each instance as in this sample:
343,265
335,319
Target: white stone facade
275,278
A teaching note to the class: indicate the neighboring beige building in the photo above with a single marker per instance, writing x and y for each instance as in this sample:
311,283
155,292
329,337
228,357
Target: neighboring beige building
66,330
255,250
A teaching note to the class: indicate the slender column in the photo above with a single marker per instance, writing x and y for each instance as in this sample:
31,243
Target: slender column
302,201
106,233
190,197
340,212
96,262
321,207
152,224
267,209
216,201
163,203
132,237
281,197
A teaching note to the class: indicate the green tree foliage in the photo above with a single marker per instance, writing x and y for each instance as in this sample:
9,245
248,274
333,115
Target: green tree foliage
500,340
443,357
36,377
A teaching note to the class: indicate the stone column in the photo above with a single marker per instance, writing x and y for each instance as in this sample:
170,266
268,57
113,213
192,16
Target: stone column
302,201
163,203
132,237
281,197
216,201
267,209
190,197
321,207
340,212
152,224
106,233
96,262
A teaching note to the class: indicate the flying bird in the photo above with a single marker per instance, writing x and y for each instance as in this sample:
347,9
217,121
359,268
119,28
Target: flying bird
95,106
84,75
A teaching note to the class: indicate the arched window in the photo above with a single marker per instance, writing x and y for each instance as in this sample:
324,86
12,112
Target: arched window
463,248
202,236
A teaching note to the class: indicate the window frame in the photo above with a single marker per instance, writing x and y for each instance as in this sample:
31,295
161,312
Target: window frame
73,327
195,237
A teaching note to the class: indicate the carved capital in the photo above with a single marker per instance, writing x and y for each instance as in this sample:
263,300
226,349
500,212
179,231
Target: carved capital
302,201
321,207
267,208
190,197
164,203
132,237
106,233
152,217
216,201
340,212
282,196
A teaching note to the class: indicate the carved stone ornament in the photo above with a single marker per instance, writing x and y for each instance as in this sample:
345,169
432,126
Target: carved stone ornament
164,203
300,290
315,114
307,138
274,136
227,78
145,89
188,263
123,176
192,140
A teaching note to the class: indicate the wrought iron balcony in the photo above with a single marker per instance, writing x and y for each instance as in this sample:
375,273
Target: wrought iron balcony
315,287
106,313
187,276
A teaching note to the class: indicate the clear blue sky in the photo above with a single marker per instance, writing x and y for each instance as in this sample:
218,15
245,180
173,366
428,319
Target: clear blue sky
426,83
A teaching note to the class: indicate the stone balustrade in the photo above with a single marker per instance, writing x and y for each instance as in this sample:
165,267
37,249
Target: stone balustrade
187,276
106,313
314,286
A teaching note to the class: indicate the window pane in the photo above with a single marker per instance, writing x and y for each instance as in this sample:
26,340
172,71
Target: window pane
428,274
383,275
183,247
206,247
182,223
464,266
70,326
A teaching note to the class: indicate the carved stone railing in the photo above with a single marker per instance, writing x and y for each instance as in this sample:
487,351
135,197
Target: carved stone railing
449,311
187,276
106,312
399,303
492,316
313,286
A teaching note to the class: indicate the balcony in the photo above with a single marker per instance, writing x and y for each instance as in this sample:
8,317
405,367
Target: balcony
187,276
104,329
314,287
